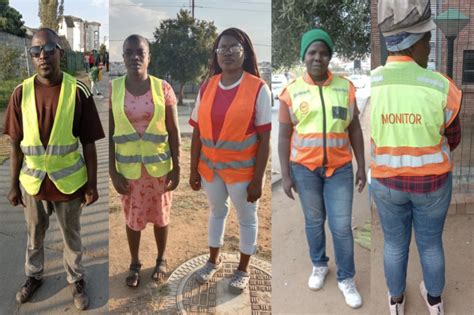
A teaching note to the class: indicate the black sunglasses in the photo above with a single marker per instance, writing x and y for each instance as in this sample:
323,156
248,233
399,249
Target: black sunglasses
48,49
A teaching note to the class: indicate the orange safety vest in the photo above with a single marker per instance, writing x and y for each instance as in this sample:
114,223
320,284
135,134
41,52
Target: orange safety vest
321,116
233,155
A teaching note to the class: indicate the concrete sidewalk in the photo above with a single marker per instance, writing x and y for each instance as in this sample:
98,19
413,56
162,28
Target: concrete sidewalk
55,296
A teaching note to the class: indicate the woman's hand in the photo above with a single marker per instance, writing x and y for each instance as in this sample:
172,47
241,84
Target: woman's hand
254,190
120,184
288,186
361,179
172,179
195,180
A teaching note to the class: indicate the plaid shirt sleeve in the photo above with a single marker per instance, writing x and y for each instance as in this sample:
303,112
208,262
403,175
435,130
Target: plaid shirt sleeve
453,133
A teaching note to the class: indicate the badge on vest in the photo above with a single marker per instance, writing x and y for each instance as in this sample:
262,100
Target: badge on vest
304,108
339,112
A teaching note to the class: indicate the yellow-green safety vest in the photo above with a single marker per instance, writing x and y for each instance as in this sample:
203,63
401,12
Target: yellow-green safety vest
61,160
321,116
151,149
407,121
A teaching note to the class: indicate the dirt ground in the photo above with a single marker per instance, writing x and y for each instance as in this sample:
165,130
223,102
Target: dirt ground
187,239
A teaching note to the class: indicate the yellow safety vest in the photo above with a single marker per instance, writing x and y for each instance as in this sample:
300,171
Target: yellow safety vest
131,150
408,118
320,115
61,160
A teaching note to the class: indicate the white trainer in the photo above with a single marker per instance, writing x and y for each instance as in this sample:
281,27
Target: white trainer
437,309
349,290
397,308
316,279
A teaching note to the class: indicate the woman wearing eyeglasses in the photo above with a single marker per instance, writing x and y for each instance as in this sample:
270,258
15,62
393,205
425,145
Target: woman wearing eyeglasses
144,152
230,147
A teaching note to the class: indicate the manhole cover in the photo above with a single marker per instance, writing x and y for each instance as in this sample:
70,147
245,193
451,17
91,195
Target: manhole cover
186,296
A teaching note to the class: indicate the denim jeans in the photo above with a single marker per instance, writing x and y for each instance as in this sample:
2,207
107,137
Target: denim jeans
322,196
398,212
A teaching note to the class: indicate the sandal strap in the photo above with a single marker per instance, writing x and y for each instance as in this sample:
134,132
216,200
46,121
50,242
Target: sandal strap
135,267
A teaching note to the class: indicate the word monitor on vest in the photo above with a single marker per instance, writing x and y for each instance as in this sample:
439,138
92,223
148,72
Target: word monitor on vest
60,160
321,116
233,154
131,149
408,119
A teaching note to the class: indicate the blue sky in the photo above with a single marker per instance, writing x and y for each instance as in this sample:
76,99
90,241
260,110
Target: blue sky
90,10
143,16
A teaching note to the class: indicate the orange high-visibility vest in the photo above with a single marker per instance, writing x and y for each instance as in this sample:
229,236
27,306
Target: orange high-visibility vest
233,155
321,116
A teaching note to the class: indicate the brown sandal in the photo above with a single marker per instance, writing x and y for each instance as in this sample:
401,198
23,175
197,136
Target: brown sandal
160,274
133,279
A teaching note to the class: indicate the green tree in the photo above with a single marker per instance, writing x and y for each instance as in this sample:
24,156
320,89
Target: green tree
9,62
182,49
347,21
11,20
49,13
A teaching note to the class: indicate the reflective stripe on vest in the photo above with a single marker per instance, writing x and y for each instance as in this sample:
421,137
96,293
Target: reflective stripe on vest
60,161
407,132
233,154
152,148
312,108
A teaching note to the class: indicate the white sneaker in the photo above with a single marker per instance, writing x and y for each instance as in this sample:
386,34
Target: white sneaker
316,280
349,290
397,308
437,309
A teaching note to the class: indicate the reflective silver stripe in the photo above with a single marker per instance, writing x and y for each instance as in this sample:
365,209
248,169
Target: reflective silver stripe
447,115
446,149
293,118
157,158
129,159
436,83
67,171
376,78
230,145
154,138
318,142
33,150
33,172
398,161
61,149
294,152
50,150
226,165
126,138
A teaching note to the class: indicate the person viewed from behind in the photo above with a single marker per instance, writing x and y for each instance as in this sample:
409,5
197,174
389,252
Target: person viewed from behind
230,147
48,114
144,151
318,125
414,128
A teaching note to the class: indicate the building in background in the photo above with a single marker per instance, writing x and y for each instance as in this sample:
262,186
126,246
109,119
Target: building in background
82,35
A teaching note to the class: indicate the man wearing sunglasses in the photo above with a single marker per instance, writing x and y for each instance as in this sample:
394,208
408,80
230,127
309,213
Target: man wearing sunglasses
47,116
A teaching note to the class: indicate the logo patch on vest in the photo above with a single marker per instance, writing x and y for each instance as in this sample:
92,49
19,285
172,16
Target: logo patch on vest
304,108
339,112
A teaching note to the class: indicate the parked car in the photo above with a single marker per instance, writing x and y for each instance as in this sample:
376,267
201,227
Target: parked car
279,81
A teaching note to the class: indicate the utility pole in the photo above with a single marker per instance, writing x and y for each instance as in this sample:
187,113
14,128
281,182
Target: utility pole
193,8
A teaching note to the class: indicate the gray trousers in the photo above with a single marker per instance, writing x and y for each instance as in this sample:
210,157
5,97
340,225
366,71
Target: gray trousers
37,222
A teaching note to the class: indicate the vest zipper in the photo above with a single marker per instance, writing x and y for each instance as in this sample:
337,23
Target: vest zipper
325,155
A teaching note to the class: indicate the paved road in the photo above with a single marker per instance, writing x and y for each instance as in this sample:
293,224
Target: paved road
55,295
